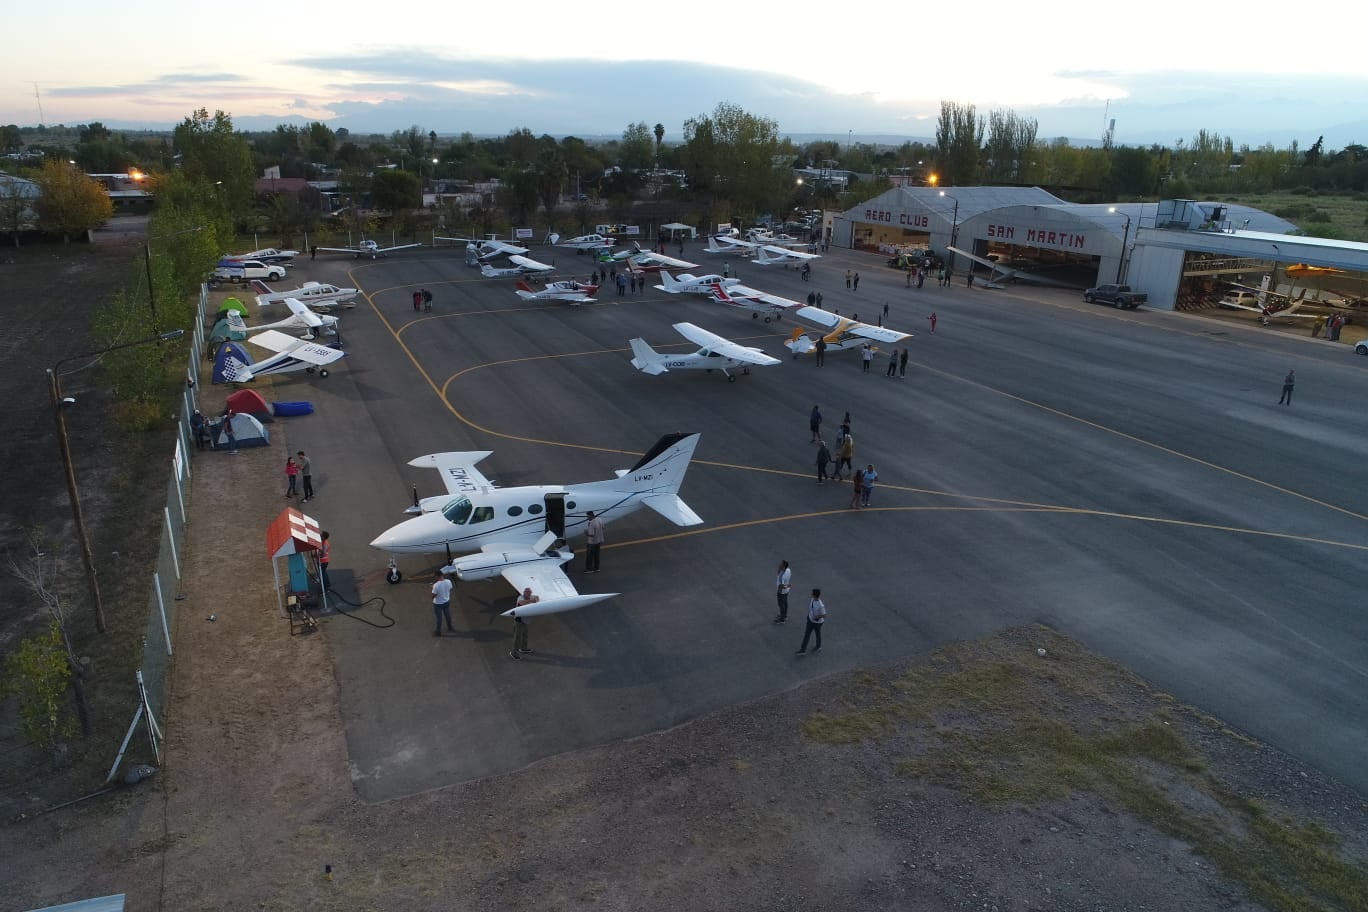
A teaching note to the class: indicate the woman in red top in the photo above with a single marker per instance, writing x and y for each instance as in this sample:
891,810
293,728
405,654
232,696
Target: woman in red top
291,474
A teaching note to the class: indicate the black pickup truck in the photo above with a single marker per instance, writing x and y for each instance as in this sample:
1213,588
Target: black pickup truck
1115,295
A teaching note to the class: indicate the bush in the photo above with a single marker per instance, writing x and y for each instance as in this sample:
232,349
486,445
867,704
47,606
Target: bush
38,673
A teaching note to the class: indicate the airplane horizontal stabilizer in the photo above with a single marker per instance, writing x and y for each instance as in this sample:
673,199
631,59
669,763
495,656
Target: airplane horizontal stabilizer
647,359
673,508
559,605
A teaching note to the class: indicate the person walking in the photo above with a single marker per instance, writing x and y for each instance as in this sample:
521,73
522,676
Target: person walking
815,424
417,300
823,460
324,558
441,604
593,536
783,583
845,452
520,626
305,474
812,299
940,277
969,278
1288,382
857,282
867,484
902,364
892,364
228,432
866,356
921,277
819,301
847,279
932,318
820,348
291,476
857,490
909,278
816,617
427,301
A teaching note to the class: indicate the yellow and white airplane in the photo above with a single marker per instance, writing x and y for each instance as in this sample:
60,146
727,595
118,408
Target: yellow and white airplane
843,332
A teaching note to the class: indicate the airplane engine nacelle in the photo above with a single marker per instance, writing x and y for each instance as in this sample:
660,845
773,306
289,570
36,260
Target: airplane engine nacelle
475,567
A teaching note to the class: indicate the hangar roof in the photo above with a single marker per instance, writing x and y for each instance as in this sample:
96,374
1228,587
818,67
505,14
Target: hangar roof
1284,248
971,200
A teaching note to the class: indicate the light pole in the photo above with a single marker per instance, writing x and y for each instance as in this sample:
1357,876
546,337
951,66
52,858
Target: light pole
1125,236
64,442
954,233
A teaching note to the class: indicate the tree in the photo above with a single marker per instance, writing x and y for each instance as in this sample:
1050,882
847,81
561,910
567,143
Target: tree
37,673
70,203
734,155
551,175
660,138
212,151
637,152
959,141
395,191
11,138
1011,143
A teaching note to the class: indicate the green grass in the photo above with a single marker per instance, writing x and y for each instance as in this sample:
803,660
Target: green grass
1343,217
1005,726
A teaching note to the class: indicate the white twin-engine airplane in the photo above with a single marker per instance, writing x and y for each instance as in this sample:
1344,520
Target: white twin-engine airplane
758,302
715,353
569,291
768,255
311,294
583,242
844,332
300,317
367,248
521,266
520,533
684,283
232,364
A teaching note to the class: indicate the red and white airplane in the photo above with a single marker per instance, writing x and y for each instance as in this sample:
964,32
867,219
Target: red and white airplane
685,283
569,291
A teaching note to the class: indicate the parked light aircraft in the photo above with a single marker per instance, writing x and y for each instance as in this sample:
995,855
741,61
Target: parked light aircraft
232,364
300,318
367,248
312,294
844,332
583,242
521,266
715,353
754,300
686,283
269,255
768,255
1269,305
520,533
1305,270
570,291
729,245
646,261
486,249
995,269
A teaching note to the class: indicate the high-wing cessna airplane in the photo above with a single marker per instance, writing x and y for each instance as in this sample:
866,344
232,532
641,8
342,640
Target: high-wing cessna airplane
646,261
768,255
232,364
845,332
1270,305
521,266
520,533
721,243
367,248
583,242
996,269
269,255
486,249
312,294
686,283
715,353
300,317
569,291
756,301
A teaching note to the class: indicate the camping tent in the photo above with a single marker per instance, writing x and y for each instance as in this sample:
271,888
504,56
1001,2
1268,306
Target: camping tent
222,332
246,430
249,402
677,228
293,535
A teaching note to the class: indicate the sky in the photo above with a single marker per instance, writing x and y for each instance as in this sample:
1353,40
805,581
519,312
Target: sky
590,68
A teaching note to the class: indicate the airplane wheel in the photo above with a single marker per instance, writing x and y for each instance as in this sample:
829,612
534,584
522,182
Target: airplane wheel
393,576
323,372
767,319
731,378
756,316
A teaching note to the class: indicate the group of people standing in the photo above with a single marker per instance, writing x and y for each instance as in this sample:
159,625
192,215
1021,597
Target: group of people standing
816,612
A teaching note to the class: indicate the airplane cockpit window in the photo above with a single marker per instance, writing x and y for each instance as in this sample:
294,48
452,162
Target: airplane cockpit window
458,511
482,514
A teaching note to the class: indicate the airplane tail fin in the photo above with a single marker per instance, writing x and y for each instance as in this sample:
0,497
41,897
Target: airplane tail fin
668,282
488,271
232,364
235,321
553,237
261,287
798,342
647,359
719,294
763,257
523,290
658,475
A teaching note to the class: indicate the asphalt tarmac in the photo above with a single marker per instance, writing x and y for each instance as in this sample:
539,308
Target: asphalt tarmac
1125,477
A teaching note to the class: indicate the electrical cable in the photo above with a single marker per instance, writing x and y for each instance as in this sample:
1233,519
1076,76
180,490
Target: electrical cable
333,594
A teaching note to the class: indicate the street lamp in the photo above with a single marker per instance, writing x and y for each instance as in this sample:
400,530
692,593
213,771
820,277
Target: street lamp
1125,236
954,232
64,442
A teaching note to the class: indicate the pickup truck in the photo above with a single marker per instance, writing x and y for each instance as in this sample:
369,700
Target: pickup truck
231,270
1115,295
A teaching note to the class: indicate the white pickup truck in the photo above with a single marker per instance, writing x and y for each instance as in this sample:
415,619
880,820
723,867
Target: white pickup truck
231,270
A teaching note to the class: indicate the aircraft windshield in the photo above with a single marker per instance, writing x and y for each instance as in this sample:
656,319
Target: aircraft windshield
458,511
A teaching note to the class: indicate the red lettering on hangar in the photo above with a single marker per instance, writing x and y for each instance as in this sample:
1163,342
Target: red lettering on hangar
913,221
1044,238
878,215
1001,231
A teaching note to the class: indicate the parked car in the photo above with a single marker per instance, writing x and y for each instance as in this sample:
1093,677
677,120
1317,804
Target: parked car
1115,295
1236,300
231,270
1361,347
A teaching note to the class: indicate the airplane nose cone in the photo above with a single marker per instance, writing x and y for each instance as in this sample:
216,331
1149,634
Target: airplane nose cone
383,541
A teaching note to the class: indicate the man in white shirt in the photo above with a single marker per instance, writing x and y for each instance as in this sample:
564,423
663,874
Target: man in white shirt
441,604
816,617
593,536
783,584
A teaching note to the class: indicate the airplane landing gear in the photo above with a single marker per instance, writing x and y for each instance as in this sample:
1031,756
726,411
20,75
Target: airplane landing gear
392,575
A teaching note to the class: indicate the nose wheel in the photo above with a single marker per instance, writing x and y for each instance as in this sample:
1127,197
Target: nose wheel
392,575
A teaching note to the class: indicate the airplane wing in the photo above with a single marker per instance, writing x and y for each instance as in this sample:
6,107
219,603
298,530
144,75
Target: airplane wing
529,263
549,582
830,320
764,297
458,470
352,250
724,347
281,343
737,242
785,253
302,313
383,250
671,262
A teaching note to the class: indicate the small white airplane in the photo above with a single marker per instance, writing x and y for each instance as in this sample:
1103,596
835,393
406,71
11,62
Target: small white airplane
520,533
685,283
844,332
646,261
569,291
1269,305
721,243
768,255
269,255
772,306
996,269
521,266
367,248
232,364
766,236
583,242
313,294
715,353
486,249
300,317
